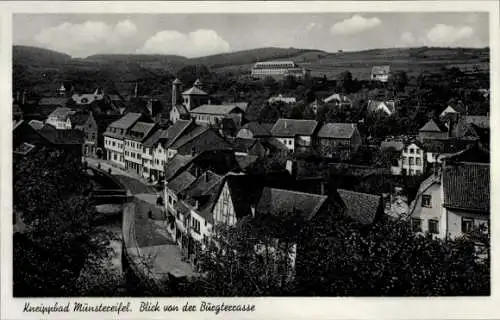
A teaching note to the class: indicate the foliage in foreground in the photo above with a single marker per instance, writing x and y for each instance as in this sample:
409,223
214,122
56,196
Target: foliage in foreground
51,192
341,258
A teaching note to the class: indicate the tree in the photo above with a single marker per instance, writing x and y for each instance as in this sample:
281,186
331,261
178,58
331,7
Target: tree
51,191
345,82
399,80
289,83
388,259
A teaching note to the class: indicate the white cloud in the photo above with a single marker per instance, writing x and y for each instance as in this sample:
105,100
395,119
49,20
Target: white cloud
194,44
442,34
408,38
86,38
355,24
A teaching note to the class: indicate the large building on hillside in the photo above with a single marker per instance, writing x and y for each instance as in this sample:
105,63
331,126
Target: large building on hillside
278,70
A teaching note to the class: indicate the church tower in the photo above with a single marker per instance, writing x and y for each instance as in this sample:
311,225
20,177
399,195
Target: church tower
176,92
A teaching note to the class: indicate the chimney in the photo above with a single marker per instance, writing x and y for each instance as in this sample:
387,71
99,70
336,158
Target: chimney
285,124
17,96
24,98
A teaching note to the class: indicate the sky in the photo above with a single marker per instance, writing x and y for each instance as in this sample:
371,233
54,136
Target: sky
194,35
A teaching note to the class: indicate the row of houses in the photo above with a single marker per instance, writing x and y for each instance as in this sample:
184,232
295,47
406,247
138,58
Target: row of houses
200,200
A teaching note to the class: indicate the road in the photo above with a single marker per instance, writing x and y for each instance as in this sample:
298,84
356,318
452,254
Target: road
151,235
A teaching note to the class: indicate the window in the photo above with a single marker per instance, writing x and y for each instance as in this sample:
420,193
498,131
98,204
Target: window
196,225
426,201
416,224
405,160
412,161
114,144
411,150
418,172
433,226
467,225
418,161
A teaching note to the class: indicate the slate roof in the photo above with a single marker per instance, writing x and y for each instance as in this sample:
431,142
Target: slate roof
293,127
140,130
61,113
279,201
434,125
445,145
62,137
373,105
216,109
259,129
103,121
205,190
175,130
127,121
181,182
337,130
155,138
188,136
53,101
181,109
195,91
362,207
175,164
398,145
78,119
36,124
466,186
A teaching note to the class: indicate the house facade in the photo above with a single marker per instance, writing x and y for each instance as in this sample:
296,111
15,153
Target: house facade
114,138
433,129
342,139
87,124
381,73
210,114
295,134
133,148
453,201
60,118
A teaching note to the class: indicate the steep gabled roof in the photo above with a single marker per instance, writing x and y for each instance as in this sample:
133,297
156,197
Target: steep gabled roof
181,109
53,101
155,138
61,113
397,145
62,137
362,207
259,129
293,127
175,164
127,121
434,125
466,186
337,130
176,130
214,109
195,91
286,202
140,130
181,182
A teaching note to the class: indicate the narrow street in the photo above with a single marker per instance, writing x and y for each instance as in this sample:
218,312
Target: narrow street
153,241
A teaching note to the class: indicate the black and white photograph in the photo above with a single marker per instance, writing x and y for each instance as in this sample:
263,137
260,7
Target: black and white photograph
259,154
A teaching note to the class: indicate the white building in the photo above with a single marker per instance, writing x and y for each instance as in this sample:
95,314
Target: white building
278,70
411,159
133,150
453,201
295,133
114,137
60,118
